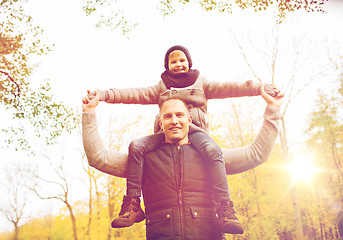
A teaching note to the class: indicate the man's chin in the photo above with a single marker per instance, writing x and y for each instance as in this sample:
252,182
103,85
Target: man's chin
175,139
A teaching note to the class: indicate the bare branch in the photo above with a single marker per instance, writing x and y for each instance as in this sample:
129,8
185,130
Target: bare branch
44,198
245,57
12,80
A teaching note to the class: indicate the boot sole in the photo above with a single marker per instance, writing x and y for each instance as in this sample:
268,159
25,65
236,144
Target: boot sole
233,228
123,223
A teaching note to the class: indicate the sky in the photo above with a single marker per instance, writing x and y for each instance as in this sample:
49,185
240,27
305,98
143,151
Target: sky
86,57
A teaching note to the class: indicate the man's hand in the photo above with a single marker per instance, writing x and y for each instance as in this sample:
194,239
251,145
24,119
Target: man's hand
89,105
275,101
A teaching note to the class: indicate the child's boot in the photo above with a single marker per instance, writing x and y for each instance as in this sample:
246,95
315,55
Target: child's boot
130,213
228,218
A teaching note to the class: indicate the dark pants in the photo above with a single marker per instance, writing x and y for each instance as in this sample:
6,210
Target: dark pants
203,143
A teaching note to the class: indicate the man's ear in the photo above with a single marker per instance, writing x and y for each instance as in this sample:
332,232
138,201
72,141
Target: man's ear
190,118
159,122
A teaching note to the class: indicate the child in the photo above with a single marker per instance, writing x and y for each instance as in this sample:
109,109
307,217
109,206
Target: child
181,81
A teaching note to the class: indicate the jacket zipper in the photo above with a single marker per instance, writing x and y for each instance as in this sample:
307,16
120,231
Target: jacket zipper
180,194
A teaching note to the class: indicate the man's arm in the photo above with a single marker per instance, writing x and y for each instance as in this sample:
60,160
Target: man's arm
244,158
107,161
236,160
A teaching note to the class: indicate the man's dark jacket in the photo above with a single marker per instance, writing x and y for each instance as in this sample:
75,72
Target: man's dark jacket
178,197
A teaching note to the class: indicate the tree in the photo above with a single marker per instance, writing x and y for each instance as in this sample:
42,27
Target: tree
94,179
286,69
105,191
125,129
20,40
39,116
282,7
258,194
325,131
326,126
63,190
31,107
111,16
15,210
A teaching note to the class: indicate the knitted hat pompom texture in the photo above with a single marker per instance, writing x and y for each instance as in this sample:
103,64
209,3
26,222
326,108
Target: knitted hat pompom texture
181,48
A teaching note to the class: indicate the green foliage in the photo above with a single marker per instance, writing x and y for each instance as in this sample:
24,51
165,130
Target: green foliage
117,20
20,41
258,5
262,196
109,15
325,141
33,109
326,126
37,113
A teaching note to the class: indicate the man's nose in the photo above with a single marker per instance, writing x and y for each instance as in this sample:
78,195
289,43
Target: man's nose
174,119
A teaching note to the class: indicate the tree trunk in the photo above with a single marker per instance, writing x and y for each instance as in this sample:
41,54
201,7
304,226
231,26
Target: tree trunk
110,202
97,202
259,214
296,208
73,221
254,180
16,231
89,206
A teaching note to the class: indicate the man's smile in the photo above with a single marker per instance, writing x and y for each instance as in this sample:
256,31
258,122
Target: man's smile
174,129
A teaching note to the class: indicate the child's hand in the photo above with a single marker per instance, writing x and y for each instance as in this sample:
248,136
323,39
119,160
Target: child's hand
271,90
87,98
102,95
89,104
91,95
274,101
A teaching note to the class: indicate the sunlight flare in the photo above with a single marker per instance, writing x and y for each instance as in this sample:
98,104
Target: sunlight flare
302,168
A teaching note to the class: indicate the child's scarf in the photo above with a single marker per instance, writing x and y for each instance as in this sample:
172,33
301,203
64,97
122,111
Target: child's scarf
179,80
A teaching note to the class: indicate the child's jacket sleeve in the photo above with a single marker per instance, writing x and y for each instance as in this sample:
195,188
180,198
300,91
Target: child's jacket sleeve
231,89
144,95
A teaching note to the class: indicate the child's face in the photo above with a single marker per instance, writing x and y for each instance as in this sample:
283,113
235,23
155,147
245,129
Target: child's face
178,62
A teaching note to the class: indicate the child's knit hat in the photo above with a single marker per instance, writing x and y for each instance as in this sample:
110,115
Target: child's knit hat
181,48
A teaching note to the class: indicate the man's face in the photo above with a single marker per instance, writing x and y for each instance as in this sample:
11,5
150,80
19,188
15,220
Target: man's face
178,62
174,121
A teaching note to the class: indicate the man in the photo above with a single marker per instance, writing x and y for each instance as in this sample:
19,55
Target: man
178,201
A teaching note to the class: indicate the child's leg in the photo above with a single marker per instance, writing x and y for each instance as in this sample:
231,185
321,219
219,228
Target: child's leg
137,149
213,154
131,211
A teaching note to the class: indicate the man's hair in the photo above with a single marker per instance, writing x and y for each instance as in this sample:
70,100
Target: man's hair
174,98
